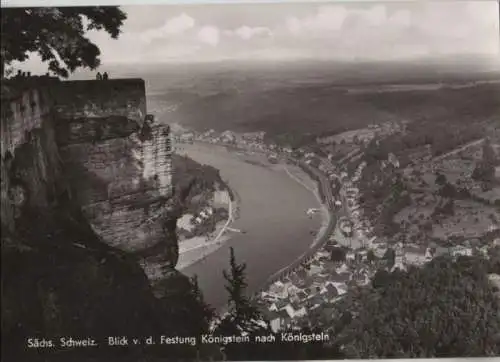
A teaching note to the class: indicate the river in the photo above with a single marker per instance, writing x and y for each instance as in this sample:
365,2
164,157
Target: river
272,213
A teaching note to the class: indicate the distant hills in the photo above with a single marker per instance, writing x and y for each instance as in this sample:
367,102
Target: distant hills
350,72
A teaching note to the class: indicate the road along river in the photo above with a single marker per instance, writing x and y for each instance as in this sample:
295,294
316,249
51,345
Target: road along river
272,215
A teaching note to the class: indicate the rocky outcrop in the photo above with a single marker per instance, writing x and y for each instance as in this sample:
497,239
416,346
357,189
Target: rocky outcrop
30,167
85,195
83,288
118,163
117,160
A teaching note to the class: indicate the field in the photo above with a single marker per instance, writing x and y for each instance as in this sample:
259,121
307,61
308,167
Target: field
471,220
472,213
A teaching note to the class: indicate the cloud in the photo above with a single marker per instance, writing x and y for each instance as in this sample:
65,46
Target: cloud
173,26
401,18
380,31
375,16
338,30
326,19
337,18
246,32
209,35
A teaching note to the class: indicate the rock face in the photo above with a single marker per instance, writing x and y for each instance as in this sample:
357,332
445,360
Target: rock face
82,288
118,162
85,180
30,168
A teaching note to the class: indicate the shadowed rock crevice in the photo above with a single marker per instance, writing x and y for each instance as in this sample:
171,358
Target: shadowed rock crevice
82,287
82,195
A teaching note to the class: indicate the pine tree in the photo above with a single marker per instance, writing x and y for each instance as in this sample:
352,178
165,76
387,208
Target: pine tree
390,257
370,256
204,310
241,310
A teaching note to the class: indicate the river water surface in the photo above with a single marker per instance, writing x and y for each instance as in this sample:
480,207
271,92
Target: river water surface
273,214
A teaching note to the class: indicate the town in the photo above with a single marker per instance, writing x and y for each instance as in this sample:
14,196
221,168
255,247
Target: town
433,205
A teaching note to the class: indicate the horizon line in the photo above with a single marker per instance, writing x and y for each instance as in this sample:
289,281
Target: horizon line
476,59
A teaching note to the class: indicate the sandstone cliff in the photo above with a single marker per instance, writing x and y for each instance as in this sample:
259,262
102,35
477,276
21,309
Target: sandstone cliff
118,162
86,188
81,287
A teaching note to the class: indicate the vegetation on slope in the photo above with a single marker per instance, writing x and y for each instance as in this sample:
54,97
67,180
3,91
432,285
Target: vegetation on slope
445,309
244,317
60,280
194,182
194,186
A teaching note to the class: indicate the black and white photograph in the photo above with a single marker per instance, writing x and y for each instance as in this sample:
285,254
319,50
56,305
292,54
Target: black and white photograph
250,181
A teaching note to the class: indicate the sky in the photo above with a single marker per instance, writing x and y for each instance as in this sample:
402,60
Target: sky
289,31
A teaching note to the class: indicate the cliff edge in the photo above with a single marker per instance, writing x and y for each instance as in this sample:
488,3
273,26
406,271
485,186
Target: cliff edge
86,186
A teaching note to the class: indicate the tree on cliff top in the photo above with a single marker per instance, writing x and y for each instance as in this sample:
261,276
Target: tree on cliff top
57,34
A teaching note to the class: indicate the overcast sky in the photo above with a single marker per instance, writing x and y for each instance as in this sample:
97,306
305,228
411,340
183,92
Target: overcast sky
337,30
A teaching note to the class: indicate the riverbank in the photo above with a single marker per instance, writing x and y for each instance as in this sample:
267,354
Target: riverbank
297,174
272,212
328,225
195,249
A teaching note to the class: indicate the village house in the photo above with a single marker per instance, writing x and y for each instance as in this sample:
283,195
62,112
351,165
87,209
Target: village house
495,280
329,293
294,312
399,264
483,251
278,305
393,160
300,278
329,267
265,296
417,255
323,254
441,250
380,251
461,251
350,256
306,284
279,290
301,295
292,289
314,302
341,278
358,278
186,137
294,278
356,213
298,297
341,288
342,268
314,268
278,320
